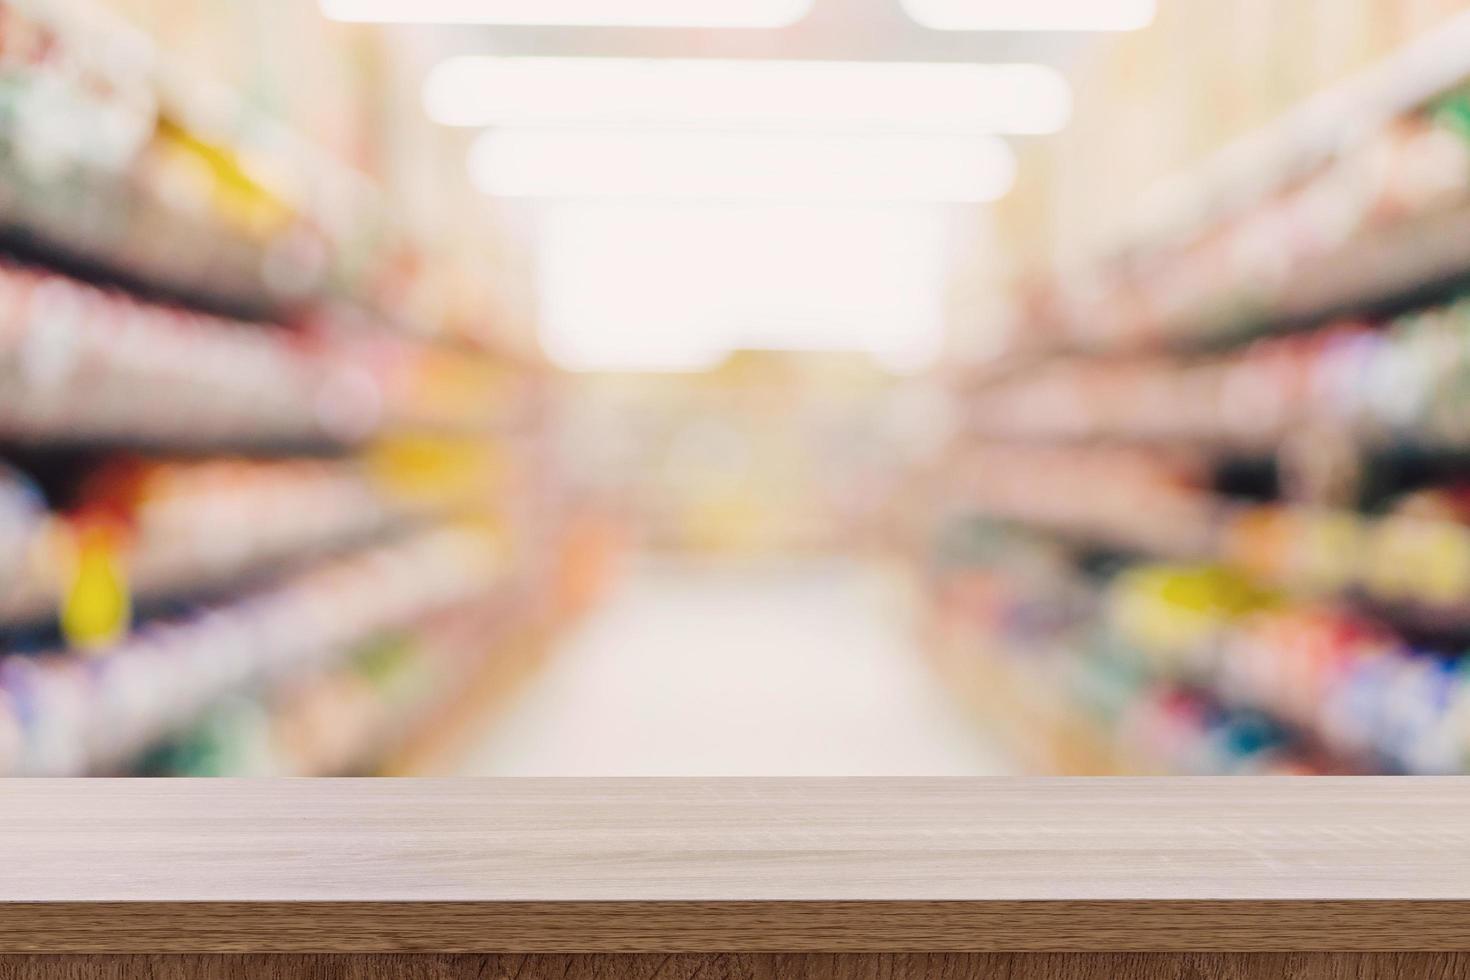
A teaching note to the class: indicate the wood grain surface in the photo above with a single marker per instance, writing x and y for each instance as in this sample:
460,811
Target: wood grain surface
672,927
735,864
898,966
733,839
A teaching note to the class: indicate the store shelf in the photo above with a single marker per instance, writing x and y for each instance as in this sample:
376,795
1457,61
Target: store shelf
1422,259
504,651
255,435
105,232
1307,136
84,364
1038,727
1408,568
1186,670
200,529
1134,500
367,712
99,175
1377,386
70,714
87,366
1358,688
1353,205
118,169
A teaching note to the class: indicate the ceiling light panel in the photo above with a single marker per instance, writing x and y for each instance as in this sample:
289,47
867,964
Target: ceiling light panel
732,94
675,165
1032,15
573,13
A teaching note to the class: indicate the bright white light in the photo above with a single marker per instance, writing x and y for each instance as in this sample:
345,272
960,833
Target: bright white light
573,13
1032,15
560,163
669,287
746,95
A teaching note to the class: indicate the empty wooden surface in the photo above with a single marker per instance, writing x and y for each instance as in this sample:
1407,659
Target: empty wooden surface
733,839
544,865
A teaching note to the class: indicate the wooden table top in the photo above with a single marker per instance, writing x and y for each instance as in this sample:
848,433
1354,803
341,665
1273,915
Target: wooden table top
747,863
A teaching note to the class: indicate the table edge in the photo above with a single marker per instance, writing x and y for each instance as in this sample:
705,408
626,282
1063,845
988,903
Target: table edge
1153,925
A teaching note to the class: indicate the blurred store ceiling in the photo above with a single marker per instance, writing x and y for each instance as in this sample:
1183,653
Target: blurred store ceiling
674,285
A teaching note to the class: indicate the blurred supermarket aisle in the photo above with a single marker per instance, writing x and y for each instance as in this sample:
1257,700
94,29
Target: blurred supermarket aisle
802,668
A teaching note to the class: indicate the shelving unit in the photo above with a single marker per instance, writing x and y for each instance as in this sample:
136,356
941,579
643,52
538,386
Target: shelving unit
1212,509
178,190
257,515
1348,204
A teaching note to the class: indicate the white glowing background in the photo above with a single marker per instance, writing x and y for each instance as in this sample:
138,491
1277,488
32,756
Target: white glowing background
670,287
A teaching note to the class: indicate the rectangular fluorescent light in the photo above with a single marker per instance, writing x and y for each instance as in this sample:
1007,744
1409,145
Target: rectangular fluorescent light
685,165
729,94
573,13
1032,15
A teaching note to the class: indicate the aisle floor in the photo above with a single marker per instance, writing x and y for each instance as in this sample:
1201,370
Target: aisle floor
806,669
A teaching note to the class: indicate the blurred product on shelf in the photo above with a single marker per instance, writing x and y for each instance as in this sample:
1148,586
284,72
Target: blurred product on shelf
68,714
189,528
105,166
1412,556
1415,557
1018,632
115,164
1406,381
406,697
1188,669
100,168
1135,499
1380,210
1354,201
74,359
343,717
22,519
1358,689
